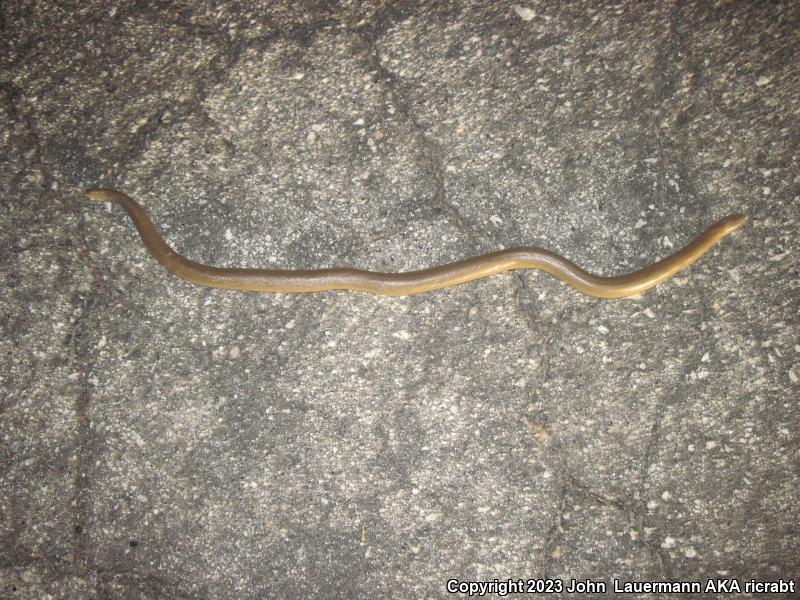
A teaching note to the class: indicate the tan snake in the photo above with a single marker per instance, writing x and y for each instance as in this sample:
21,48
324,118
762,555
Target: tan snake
414,282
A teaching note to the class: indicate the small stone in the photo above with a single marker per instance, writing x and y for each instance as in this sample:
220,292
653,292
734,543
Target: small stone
526,14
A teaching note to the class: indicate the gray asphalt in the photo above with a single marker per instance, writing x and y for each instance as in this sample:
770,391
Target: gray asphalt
162,440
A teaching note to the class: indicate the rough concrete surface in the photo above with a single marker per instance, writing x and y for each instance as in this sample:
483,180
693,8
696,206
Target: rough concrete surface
163,440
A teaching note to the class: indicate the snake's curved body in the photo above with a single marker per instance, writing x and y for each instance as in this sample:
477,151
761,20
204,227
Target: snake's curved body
415,282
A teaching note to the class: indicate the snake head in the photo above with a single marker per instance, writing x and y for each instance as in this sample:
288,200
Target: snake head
101,194
731,223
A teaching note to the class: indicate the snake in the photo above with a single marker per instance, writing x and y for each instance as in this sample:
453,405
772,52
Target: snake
415,282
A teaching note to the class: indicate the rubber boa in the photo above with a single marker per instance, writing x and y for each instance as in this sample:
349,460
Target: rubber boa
415,282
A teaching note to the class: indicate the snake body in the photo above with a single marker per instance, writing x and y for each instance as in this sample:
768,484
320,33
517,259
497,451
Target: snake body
415,282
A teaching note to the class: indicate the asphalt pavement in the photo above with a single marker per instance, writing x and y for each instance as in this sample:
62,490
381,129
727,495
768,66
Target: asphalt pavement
164,440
